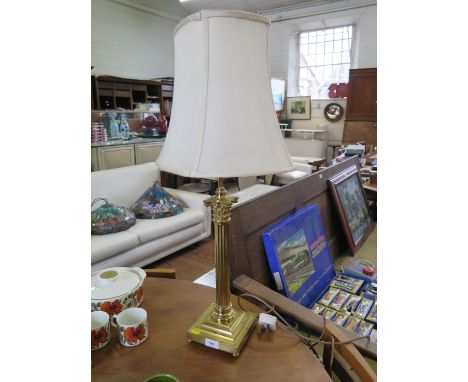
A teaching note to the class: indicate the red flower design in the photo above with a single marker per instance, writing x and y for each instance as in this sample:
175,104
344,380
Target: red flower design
139,294
114,307
132,334
98,337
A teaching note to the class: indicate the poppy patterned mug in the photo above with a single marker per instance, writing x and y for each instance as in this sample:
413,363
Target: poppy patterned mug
100,329
132,325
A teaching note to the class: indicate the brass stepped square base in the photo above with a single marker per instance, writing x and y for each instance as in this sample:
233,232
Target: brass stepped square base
226,337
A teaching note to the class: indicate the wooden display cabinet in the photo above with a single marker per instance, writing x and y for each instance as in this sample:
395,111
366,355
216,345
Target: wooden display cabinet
115,156
361,107
147,152
109,92
129,154
357,131
362,95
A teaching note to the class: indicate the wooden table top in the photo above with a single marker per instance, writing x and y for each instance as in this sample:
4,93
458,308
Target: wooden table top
172,306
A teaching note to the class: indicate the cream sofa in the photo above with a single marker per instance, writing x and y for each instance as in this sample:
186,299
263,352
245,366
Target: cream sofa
147,240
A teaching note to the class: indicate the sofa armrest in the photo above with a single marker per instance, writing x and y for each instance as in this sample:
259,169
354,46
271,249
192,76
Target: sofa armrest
303,167
190,199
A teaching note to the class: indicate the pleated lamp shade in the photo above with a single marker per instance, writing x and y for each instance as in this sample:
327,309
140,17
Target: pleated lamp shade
223,121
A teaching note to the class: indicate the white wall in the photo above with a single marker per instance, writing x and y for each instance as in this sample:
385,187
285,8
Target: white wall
128,42
282,56
367,29
318,120
136,43
282,36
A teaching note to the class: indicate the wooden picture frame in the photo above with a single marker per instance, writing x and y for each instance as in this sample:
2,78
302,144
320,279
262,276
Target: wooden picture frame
353,210
298,107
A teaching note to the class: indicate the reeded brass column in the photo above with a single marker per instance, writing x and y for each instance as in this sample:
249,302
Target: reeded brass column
221,326
221,211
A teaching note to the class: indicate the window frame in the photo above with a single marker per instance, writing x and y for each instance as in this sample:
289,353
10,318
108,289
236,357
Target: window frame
298,53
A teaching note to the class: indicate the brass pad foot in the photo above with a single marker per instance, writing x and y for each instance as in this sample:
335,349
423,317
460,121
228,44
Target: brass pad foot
229,337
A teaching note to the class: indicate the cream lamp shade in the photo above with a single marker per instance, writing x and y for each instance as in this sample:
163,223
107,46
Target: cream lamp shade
223,121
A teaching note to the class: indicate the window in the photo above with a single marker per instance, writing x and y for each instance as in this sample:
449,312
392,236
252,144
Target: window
324,58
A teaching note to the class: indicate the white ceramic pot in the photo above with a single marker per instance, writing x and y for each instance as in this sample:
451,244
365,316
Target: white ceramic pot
116,289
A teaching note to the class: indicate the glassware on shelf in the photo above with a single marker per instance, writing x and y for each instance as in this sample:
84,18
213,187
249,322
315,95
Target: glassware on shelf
113,126
124,128
98,133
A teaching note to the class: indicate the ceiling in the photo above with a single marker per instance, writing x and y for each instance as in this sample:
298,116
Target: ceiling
255,6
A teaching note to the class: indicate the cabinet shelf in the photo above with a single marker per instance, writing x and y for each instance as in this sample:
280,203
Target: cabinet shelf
128,111
113,92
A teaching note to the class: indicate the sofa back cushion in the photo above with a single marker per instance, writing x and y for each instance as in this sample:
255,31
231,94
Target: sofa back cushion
122,186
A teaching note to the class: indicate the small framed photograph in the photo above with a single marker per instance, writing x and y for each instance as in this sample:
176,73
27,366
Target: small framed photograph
298,107
351,203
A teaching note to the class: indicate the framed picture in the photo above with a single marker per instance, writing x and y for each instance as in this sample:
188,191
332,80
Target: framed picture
277,88
353,210
298,107
298,255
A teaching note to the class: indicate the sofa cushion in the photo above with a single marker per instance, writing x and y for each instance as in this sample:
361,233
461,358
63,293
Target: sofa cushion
104,246
148,230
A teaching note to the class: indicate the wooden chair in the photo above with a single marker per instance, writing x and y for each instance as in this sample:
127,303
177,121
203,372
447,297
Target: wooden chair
349,364
164,273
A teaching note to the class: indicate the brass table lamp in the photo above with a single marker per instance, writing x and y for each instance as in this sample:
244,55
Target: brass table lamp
223,124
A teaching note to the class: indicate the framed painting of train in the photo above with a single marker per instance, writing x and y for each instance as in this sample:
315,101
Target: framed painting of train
298,255
351,203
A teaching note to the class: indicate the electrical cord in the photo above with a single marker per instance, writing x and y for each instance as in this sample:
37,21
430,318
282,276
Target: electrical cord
306,340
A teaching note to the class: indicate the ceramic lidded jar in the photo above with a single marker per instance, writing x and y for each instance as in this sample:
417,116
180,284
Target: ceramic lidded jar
116,289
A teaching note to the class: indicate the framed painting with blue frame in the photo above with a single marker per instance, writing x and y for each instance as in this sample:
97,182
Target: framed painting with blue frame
299,257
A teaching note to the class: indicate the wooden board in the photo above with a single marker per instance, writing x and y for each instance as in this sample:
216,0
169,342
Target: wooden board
249,220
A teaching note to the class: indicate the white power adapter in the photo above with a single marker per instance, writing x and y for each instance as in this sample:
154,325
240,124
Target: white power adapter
267,322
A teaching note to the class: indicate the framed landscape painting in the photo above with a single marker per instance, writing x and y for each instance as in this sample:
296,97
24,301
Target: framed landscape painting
298,254
298,107
351,202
